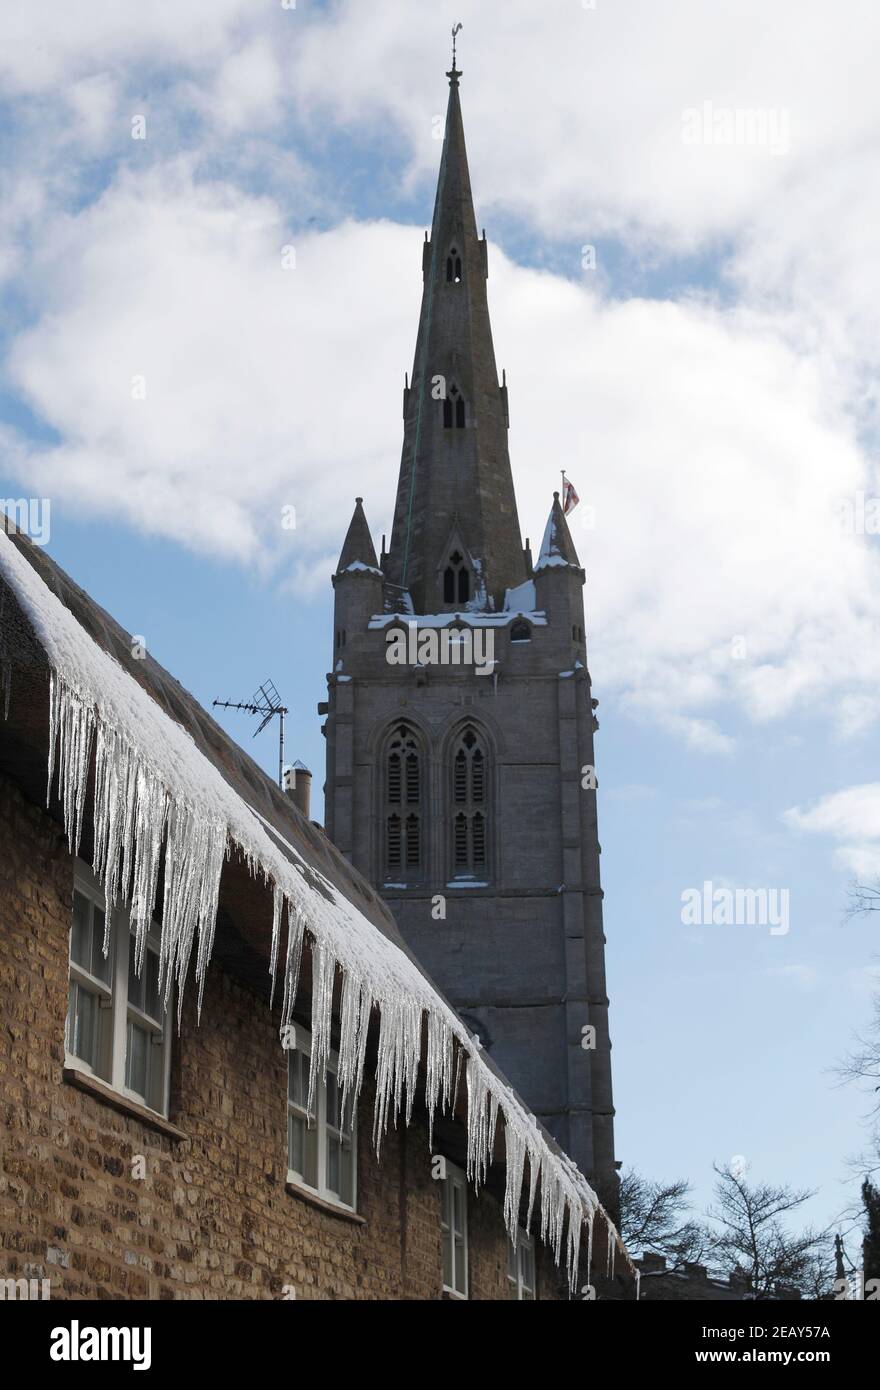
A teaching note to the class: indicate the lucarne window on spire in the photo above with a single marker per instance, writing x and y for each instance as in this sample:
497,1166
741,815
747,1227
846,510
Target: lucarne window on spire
453,410
456,579
453,267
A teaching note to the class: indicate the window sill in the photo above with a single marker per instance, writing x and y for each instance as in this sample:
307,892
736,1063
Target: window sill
305,1194
93,1087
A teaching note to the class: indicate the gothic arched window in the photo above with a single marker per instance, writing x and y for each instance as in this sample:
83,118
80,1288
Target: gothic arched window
470,806
453,267
454,410
456,579
520,631
403,799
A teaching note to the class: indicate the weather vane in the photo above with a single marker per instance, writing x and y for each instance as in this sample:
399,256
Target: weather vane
455,30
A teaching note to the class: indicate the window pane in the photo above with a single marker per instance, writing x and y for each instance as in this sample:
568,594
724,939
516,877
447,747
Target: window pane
346,1175
85,1025
310,1171
527,1269
340,1167
137,1059
80,934
296,1143
332,1101
457,1209
135,985
447,1258
459,1266
298,1078
151,998
302,1149
333,1164
100,966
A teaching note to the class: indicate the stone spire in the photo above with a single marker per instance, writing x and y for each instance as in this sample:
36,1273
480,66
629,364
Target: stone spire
557,547
455,492
358,548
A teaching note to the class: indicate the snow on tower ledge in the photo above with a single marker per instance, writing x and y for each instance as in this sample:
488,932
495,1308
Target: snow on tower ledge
152,784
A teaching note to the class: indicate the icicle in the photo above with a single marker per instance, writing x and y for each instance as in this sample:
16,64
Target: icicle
482,1120
439,1069
400,1046
277,907
295,934
534,1174
354,1022
323,980
514,1164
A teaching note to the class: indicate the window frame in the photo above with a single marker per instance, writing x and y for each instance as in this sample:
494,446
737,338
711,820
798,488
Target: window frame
455,1180
396,805
466,810
112,1068
523,1245
322,1128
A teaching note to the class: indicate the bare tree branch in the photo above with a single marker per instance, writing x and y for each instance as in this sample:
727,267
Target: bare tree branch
654,1221
753,1240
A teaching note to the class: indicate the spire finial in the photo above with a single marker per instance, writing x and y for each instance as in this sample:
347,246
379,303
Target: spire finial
455,74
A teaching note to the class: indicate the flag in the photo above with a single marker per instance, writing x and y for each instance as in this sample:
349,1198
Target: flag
570,498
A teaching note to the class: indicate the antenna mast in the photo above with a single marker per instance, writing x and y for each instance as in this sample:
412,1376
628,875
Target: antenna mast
266,702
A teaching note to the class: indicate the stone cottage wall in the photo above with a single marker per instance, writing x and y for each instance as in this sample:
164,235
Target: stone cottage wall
212,1216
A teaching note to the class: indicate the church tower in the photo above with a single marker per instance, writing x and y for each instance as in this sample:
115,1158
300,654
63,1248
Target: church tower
460,720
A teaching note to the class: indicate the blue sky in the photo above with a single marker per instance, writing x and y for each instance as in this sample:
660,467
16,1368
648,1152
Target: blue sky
709,388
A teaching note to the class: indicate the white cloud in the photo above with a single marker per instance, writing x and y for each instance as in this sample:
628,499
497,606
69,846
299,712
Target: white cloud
44,46
605,90
712,452
851,817
256,395
245,95
712,441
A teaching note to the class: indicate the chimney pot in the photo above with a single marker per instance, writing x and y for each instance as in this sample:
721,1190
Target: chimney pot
298,786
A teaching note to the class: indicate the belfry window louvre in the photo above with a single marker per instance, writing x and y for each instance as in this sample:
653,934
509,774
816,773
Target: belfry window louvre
402,817
470,806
